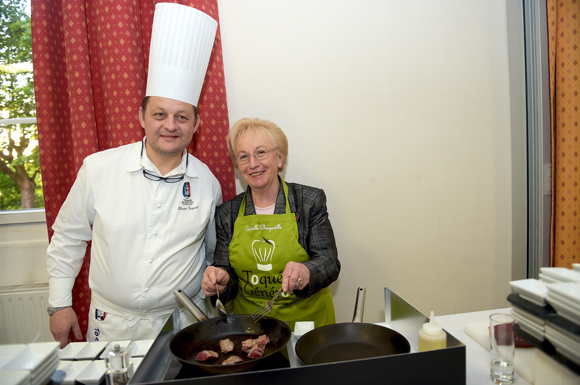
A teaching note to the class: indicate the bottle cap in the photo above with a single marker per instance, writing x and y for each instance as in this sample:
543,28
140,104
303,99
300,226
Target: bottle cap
431,327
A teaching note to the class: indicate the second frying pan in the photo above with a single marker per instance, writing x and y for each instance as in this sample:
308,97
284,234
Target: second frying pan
350,340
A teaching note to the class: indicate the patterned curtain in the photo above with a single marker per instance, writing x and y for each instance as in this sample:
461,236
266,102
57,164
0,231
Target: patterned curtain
90,61
564,53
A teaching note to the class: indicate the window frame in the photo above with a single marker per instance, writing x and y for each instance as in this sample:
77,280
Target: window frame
9,217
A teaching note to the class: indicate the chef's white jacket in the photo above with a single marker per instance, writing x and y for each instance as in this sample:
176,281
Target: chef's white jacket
148,237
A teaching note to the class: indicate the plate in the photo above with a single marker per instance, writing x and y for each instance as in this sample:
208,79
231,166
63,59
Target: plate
72,370
561,274
566,289
564,310
573,306
8,352
33,356
43,377
136,362
530,318
141,347
94,373
50,364
533,332
531,289
71,350
91,351
565,334
122,344
532,329
548,279
563,346
14,377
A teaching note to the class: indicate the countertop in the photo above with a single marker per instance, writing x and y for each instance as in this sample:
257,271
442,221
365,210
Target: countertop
477,357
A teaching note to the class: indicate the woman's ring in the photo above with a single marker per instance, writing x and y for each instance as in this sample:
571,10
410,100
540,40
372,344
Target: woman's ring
300,281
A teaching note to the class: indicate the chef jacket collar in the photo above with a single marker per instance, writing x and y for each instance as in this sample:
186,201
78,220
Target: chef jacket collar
140,161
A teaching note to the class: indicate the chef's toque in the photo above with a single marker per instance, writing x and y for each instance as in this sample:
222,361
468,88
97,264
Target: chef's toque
181,42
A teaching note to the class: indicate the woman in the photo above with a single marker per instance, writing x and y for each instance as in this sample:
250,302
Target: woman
275,235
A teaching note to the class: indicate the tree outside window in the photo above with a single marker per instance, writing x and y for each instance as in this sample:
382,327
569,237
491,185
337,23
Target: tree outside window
20,180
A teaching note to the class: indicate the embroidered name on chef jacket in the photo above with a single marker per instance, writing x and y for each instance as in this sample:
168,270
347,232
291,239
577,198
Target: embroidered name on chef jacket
187,203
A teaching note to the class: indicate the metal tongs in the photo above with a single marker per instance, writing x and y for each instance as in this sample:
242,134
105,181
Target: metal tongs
219,305
266,308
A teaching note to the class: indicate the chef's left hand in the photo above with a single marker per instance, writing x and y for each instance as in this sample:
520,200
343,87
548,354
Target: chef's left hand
296,276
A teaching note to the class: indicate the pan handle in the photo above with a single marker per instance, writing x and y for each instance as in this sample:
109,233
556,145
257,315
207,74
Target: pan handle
359,305
188,303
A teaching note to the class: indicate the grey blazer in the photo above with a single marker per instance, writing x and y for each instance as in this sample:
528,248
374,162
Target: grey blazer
314,234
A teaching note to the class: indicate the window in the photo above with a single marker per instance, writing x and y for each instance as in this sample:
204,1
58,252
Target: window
20,179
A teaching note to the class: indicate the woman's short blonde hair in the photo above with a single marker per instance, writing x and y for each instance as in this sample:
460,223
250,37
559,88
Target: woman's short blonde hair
262,128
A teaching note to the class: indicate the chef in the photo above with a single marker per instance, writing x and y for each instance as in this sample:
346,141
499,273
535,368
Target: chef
148,207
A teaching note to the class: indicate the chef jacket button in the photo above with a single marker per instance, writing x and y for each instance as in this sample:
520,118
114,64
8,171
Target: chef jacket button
158,205
146,289
155,233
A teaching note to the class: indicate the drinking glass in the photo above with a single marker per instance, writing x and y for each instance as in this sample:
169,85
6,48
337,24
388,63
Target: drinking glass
502,348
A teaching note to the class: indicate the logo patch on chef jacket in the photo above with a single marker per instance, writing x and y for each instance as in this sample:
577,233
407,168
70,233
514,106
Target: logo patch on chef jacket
187,203
100,315
186,190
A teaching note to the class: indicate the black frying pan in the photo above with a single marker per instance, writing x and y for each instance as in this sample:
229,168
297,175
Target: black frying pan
207,333
350,340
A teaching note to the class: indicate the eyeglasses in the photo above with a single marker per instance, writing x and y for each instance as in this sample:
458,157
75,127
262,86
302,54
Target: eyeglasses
157,178
260,153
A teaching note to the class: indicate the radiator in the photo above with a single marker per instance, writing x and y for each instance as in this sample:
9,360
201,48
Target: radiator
23,317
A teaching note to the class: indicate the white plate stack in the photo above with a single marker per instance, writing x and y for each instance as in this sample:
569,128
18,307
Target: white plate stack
565,299
566,343
559,274
530,323
31,364
532,290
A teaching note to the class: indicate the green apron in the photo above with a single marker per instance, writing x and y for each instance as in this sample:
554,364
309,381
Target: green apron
261,247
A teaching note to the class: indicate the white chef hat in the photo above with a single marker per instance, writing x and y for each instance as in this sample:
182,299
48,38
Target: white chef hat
181,44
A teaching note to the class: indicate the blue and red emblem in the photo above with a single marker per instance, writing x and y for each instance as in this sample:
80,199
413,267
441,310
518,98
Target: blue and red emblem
186,190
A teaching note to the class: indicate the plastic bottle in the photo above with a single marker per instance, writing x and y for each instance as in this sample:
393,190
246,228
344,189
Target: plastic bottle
117,372
432,336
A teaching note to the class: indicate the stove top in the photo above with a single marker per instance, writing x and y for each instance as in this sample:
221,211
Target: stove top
159,365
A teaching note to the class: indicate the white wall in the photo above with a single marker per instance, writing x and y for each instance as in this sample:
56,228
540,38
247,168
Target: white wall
400,111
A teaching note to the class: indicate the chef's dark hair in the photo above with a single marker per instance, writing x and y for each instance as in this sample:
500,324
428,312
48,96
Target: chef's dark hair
262,128
146,101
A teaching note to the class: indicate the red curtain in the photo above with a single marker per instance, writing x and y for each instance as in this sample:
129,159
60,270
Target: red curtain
564,60
90,61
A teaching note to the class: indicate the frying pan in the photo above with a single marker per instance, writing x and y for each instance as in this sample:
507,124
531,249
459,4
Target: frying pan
207,333
350,340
